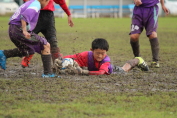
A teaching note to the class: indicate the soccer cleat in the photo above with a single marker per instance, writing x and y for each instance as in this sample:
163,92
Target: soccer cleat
49,75
142,64
155,64
2,60
26,61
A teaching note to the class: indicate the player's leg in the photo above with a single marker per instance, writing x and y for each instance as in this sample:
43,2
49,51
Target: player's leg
5,54
50,35
40,45
137,61
155,50
46,60
134,42
39,26
151,28
136,29
16,36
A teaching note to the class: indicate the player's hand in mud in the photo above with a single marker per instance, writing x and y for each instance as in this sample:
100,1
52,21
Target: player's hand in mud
85,72
73,70
57,66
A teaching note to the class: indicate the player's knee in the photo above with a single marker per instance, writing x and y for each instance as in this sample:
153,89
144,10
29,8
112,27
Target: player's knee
134,37
47,47
153,35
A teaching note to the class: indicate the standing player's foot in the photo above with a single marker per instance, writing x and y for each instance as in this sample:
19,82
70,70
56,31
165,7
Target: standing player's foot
155,64
49,75
26,61
142,64
2,60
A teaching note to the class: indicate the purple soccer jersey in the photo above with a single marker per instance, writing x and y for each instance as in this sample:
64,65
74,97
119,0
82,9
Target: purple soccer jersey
145,16
91,66
149,3
29,12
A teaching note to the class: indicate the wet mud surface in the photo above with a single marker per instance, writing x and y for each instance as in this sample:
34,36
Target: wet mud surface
157,79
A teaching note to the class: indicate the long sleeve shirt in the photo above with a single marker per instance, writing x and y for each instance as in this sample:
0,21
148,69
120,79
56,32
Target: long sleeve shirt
62,3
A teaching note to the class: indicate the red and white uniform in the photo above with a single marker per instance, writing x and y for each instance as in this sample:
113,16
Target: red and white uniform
50,6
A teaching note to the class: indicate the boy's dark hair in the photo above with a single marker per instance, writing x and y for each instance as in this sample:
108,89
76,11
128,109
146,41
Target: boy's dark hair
100,43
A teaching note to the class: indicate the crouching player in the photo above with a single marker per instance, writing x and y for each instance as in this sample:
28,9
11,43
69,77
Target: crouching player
98,62
21,24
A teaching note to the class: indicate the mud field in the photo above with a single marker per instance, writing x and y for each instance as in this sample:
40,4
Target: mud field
162,79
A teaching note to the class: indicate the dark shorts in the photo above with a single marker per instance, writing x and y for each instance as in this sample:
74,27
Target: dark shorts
46,25
27,46
144,17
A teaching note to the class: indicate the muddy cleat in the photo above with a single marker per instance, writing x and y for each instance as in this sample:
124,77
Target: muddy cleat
26,61
155,65
48,75
142,64
2,60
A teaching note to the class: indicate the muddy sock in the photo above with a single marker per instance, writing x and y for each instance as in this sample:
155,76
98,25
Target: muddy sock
133,62
155,49
46,60
13,53
135,47
55,53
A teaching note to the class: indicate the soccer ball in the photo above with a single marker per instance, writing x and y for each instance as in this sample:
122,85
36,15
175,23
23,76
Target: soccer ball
66,62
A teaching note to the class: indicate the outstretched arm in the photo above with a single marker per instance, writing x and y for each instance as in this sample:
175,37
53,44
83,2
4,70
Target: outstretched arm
102,70
64,6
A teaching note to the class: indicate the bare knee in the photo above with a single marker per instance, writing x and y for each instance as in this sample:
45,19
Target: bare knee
46,50
134,37
126,67
153,35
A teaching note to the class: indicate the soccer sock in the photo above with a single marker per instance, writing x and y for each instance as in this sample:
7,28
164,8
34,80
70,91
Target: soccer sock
155,49
13,53
46,60
55,51
135,48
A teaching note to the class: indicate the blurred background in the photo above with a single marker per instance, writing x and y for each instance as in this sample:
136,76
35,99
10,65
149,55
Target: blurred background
91,8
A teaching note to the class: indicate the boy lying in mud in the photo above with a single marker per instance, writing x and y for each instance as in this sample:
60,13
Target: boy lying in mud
95,62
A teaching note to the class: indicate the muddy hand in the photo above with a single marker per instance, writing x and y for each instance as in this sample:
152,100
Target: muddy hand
27,35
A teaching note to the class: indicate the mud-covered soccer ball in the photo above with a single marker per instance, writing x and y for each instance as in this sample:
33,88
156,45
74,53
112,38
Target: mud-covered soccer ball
66,62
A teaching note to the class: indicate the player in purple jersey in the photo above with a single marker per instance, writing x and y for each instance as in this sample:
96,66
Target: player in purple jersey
21,25
145,15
